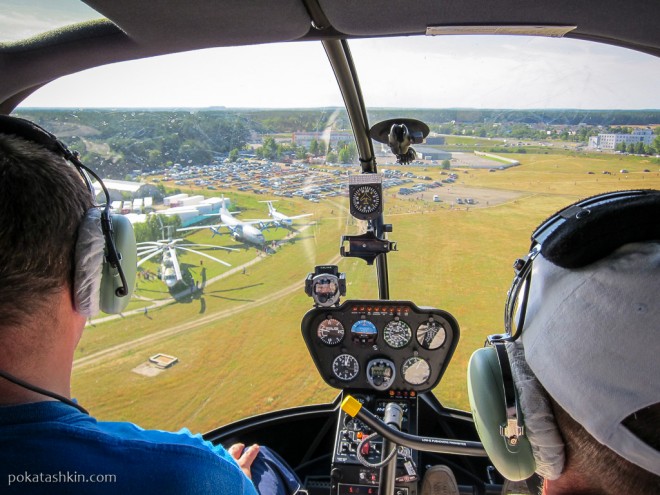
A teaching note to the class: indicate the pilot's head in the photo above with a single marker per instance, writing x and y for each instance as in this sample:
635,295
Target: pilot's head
53,237
42,202
585,367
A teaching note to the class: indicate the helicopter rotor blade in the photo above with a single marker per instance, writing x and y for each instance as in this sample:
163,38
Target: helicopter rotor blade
204,254
210,246
148,257
175,263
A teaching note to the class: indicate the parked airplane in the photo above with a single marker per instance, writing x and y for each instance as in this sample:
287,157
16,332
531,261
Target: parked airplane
240,230
280,219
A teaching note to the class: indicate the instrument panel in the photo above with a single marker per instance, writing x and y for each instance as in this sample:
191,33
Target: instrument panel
380,345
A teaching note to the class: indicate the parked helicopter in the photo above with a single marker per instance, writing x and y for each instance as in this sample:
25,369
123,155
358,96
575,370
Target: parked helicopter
455,259
170,269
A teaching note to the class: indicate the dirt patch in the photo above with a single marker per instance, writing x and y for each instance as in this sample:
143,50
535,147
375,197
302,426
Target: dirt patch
450,194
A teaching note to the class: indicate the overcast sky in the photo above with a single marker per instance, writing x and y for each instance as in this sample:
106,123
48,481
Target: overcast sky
438,72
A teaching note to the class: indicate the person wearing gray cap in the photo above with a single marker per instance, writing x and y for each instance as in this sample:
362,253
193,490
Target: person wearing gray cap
569,395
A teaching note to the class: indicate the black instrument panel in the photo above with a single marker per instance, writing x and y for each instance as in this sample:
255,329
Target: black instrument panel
380,345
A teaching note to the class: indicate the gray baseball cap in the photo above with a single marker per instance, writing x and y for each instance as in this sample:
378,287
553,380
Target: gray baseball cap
592,338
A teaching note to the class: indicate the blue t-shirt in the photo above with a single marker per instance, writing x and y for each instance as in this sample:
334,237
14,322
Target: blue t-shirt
52,448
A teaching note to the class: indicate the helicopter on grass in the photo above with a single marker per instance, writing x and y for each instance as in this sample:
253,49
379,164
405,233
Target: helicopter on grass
170,268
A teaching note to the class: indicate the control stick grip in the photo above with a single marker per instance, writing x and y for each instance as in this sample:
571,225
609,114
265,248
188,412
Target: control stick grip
393,415
353,408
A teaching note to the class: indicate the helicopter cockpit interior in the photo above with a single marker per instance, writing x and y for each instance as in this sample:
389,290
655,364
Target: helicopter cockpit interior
339,189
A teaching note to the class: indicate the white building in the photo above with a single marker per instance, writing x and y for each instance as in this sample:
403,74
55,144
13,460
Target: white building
610,141
327,136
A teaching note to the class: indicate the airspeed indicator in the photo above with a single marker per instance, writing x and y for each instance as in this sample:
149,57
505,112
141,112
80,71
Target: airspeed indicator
330,331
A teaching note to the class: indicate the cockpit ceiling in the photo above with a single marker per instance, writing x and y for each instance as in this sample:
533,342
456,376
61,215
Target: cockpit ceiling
143,29
177,25
206,23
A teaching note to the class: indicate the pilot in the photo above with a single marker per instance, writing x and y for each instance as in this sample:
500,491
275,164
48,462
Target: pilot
586,368
47,443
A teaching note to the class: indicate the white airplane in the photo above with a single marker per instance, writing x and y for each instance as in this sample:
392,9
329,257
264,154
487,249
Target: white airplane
280,219
240,230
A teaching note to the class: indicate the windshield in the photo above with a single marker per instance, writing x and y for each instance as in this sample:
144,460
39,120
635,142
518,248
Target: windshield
519,128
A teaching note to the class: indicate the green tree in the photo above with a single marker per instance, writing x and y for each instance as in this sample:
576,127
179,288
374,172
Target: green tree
314,147
269,148
347,153
331,157
233,155
301,153
446,164
156,227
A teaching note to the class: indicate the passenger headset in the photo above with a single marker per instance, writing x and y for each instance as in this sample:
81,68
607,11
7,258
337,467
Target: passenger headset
117,265
576,236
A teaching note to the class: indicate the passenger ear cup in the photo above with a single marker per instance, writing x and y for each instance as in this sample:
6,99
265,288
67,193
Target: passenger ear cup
124,241
486,395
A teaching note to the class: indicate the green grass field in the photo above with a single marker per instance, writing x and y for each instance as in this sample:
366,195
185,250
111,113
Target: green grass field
239,345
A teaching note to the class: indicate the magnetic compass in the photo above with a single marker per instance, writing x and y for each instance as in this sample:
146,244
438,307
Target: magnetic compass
366,196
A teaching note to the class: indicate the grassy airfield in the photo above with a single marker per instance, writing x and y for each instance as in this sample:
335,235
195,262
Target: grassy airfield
238,343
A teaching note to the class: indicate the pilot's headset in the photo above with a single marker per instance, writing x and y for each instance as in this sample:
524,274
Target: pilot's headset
518,430
105,253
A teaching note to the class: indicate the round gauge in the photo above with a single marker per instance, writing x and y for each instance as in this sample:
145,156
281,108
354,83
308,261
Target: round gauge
345,367
381,373
415,370
364,332
397,334
330,331
431,334
366,199
353,424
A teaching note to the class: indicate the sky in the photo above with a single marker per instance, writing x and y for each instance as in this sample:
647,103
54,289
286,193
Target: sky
426,72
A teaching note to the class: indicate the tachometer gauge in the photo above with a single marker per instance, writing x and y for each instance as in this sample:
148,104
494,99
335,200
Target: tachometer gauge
330,331
397,333
431,334
415,370
345,367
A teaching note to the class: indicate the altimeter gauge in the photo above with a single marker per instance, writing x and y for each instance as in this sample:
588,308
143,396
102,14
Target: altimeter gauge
415,370
397,333
366,196
345,367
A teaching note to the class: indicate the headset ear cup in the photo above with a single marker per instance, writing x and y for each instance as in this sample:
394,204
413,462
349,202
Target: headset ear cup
124,240
90,245
486,395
